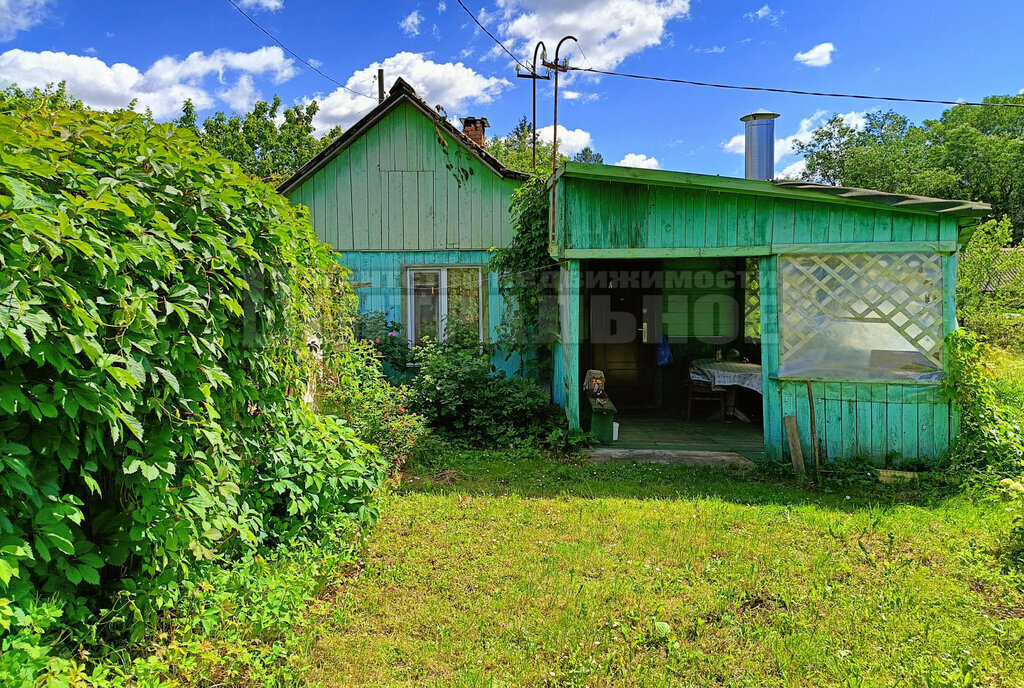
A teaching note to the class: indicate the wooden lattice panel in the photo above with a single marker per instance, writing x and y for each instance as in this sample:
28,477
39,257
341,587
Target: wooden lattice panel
752,302
902,290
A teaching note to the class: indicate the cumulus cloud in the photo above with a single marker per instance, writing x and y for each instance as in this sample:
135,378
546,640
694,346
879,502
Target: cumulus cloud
411,24
794,170
162,88
453,85
19,15
270,5
818,56
580,96
639,160
610,30
737,144
570,141
242,96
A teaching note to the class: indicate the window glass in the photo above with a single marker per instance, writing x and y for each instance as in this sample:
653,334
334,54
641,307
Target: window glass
862,316
426,304
463,300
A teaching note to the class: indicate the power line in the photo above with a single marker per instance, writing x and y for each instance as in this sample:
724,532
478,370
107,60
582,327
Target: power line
293,54
765,89
484,29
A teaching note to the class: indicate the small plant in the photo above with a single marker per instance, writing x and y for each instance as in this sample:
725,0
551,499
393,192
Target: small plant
1013,492
388,338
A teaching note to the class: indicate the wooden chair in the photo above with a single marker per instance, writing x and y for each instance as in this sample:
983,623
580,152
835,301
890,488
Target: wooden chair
701,391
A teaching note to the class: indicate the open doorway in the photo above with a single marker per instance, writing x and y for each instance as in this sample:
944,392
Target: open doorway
678,340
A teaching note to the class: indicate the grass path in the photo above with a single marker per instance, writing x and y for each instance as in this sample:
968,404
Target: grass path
521,571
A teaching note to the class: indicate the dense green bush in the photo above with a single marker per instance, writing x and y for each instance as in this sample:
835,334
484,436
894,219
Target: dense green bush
990,286
387,337
991,438
154,317
466,400
355,388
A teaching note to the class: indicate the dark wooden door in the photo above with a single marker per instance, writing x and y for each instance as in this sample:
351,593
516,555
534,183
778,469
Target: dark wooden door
625,328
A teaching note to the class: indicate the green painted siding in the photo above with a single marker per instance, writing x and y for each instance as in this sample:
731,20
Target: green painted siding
398,188
608,216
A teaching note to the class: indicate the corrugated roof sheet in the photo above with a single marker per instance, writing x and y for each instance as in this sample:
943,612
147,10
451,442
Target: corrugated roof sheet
908,201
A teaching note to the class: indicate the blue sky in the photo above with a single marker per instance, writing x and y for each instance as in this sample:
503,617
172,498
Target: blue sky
160,53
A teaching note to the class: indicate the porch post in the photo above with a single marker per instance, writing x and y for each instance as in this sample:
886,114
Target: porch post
569,306
772,401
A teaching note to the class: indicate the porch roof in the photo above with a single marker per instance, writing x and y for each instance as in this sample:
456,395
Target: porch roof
781,188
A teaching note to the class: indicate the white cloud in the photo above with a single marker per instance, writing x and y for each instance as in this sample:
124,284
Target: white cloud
242,96
441,6
765,12
581,96
162,88
794,170
609,30
818,56
411,24
639,160
19,15
737,144
270,5
570,141
453,85
713,50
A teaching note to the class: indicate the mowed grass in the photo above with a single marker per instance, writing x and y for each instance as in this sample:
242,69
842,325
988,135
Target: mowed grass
490,569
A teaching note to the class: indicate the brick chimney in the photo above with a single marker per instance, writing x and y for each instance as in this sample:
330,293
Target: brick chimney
473,127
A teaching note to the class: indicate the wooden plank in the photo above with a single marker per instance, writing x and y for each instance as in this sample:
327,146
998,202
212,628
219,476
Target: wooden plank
727,220
820,214
803,223
425,209
879,422
764,220
910,428
864,419
767,269
849,228
746,221
864,225
835,224
894,420
395,210
834,421
849,419
711,209
902,227
802,411
883,226
343,179
793,437
940,429
925,442
785,221
818,393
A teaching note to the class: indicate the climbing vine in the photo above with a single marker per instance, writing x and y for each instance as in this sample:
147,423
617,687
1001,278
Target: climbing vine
528,281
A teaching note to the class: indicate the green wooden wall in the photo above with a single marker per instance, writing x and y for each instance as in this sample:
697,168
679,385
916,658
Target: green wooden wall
398,188
608,216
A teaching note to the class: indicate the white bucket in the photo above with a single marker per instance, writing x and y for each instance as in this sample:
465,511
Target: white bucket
615,432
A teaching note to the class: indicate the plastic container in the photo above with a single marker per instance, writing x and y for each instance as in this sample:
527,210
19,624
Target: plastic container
615,432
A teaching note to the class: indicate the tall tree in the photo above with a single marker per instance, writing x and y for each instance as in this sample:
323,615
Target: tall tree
973,152
268,142
588,155
515,151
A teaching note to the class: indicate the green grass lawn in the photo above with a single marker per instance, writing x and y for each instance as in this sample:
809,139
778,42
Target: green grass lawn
492,569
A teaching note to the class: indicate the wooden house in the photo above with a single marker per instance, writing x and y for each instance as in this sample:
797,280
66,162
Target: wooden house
413,207
754,300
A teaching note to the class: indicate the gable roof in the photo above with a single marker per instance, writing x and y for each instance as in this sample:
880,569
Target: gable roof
401,92
781,187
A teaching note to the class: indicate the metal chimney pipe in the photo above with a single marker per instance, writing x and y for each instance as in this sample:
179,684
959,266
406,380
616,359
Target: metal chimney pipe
760,144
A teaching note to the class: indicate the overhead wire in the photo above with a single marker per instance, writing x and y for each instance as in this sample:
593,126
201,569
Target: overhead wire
484,29
295,55
765,89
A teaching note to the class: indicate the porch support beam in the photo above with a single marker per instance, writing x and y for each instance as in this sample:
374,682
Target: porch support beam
944,247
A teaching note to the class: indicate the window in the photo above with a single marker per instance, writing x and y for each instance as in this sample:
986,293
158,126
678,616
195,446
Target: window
443,299
861,316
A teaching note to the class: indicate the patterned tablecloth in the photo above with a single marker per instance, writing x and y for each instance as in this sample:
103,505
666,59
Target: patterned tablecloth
722,374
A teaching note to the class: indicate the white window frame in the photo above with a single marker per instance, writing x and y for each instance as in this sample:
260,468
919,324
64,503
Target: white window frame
442,304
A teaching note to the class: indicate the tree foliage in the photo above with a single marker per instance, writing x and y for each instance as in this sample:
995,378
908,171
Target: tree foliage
515,150
267,142
154,317
971,152
589,156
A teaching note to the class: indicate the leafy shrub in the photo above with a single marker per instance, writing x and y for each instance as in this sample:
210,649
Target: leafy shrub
356,389
990,438
153,326
464,398
387,336
1013,491
990,288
